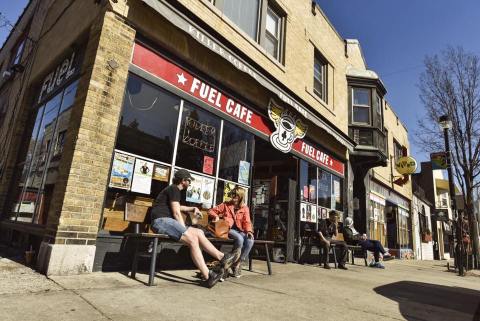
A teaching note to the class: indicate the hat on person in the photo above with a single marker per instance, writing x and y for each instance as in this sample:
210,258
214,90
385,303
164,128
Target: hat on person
183,174
348,221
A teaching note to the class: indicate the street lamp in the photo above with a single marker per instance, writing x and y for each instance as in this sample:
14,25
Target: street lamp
445,123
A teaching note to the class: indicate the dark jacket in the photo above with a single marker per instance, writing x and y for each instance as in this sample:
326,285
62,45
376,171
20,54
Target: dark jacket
349,237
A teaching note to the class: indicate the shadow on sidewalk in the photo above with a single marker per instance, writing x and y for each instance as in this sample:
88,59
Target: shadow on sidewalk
410,295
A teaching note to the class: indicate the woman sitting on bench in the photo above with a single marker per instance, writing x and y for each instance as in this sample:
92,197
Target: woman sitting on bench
352,237
167,219
237,214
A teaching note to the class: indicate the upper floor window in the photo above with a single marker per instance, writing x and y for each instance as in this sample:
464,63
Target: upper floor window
361,105
17,52
397,151
320,86
259,20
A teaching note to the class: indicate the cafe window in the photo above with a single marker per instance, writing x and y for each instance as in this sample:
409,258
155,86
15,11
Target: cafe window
324,189
198,140
320,86
17,52
41,163
236,154
361,105
308,182
149,116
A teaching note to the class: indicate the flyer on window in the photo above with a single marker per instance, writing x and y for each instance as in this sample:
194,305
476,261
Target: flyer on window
313,217
244,172
208,165
303,212
142,176
161,173
194,191
208,185
122,171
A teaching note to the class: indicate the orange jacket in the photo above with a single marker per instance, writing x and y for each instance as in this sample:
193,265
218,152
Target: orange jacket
227,212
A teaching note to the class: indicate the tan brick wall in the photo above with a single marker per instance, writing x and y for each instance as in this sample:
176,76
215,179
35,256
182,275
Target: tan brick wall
78,197
396,130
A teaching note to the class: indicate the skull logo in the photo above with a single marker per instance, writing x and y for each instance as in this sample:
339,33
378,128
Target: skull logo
288,128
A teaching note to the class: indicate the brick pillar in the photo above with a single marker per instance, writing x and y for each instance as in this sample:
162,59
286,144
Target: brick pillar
75,211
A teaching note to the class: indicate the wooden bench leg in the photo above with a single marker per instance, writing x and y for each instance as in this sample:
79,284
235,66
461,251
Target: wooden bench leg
269,266
365,255
135,260
250,261
153,262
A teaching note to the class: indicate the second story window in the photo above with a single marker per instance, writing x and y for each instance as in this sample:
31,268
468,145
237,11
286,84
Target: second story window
320,86
17,52
260,20
397,151
361,105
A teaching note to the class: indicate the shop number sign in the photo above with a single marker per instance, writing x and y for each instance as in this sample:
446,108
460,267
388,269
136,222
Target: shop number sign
288,132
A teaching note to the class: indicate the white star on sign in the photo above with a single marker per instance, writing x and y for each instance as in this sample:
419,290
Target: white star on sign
181,79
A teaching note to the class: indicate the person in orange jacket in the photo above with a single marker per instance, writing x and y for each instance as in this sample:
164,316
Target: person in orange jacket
237,214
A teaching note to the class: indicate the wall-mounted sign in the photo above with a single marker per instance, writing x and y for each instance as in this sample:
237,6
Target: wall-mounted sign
287,127
406,165
62,73
439,160
235,111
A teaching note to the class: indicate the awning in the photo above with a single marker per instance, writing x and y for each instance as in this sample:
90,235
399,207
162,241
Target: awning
443,184
197,33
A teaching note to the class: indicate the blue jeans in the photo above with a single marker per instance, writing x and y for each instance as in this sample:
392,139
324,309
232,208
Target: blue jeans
169,226
241,241
373,246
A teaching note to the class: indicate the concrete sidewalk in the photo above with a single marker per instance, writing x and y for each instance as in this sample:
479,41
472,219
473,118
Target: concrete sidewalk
405,290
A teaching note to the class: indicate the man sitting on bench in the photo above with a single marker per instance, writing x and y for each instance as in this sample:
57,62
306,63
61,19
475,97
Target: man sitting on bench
327,234
167,219
352,237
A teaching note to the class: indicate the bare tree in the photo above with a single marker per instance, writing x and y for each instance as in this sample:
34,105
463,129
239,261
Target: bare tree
450,85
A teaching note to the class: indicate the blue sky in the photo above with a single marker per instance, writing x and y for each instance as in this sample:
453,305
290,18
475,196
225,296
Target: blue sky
395,36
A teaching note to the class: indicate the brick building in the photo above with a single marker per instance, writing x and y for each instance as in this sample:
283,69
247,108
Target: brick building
102,100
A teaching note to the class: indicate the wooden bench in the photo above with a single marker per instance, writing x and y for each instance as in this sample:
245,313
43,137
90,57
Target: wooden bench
311,240
138,215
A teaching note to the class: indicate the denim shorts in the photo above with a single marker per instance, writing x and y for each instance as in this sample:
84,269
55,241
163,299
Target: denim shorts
169,226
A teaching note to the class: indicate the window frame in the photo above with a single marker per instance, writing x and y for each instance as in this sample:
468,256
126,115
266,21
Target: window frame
397,147
318,58
369,107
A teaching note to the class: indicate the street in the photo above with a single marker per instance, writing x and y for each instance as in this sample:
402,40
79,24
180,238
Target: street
405,290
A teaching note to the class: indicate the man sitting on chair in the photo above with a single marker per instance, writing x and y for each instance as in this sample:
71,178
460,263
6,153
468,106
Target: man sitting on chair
328,233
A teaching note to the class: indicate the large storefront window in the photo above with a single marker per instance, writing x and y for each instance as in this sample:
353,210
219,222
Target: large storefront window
198,140
40,168
149,116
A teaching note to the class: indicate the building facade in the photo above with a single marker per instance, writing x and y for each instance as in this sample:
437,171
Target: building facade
271,100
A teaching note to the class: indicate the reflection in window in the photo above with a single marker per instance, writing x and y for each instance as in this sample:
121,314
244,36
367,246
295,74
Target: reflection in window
244,14
198,140
308,182
40,168
324,188
149,120
236,154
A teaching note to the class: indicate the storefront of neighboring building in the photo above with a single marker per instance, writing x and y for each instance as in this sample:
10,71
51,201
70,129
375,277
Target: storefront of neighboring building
421,225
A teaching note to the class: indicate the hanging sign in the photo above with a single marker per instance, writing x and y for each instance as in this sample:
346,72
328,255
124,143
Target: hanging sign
439,160
289,130
406,165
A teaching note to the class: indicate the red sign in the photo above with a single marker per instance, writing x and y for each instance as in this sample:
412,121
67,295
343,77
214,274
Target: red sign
195,87
208,165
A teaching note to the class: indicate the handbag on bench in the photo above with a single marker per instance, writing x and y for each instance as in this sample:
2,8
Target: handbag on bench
219,228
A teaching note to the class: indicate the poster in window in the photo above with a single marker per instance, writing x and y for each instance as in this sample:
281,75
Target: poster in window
207,192
161,173
243,172
312,193
313,215
194,191
319,213
142,176
303,212
122,171
208,165
324,214
305,193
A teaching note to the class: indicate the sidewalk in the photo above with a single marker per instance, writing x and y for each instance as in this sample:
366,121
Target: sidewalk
405,290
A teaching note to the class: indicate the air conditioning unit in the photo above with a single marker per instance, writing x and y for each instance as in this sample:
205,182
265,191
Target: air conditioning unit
7,74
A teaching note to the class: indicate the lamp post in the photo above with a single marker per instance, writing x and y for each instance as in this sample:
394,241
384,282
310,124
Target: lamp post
445,123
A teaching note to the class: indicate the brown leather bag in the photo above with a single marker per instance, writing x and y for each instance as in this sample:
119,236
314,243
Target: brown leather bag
219,228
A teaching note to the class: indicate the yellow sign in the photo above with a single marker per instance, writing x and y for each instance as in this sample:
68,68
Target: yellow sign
406,165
